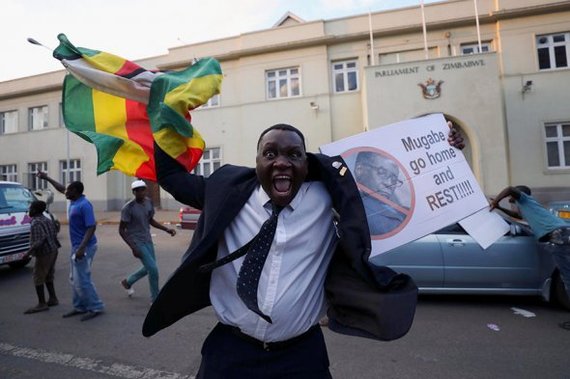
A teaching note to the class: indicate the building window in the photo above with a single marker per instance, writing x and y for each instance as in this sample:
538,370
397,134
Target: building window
553,50
473,48
8,122
406,56
61,120
211,161
557,144
33,181
73,174
345,76
38,118
212,102
282,83
9,173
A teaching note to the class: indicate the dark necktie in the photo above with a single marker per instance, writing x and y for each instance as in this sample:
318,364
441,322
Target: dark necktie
250,271
255,252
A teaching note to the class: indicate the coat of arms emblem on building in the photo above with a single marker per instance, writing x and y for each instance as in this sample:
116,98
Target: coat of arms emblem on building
431,89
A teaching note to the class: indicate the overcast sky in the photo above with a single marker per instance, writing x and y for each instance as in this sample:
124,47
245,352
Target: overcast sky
136,29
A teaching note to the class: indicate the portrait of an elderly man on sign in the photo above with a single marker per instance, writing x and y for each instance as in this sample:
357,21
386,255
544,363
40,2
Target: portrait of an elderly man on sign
385,192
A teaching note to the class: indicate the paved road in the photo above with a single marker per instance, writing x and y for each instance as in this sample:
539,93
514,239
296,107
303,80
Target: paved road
452,337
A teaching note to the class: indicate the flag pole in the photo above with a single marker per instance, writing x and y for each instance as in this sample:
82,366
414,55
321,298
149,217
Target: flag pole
34,42
372,58
424,29
68,158
67,170
477,23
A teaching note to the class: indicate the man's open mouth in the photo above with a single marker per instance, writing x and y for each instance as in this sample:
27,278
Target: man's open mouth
282,183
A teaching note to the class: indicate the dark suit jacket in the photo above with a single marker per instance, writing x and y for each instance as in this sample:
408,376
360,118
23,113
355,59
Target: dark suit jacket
355,290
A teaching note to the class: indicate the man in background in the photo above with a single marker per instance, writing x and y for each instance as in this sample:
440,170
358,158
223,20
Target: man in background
136,218
82,227
43,246
547,228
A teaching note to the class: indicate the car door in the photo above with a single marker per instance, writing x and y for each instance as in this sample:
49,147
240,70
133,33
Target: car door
510,264
421,259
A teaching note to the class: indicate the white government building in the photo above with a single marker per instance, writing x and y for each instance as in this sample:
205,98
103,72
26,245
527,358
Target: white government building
503,78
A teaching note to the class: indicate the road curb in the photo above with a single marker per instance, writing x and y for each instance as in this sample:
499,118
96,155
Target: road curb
116,222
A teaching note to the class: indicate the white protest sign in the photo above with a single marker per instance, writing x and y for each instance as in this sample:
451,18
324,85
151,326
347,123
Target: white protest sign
412,182
485,227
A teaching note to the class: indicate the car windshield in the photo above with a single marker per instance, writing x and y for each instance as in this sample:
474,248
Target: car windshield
14,198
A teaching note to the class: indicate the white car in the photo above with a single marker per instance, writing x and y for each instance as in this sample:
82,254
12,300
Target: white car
15,200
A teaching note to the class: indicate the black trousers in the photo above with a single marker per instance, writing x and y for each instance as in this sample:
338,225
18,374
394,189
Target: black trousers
229,356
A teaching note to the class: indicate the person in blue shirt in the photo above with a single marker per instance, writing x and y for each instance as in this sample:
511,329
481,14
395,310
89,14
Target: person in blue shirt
547,228
82,227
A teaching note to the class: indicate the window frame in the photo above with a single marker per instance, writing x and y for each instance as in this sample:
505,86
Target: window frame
345,71
289,78
61,121
9,175
551,45
213,102
75,171
31,124
34,182
404,56
560,139
3,121
475,47
208,164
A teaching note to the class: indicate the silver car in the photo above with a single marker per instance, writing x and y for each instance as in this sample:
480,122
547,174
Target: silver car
560,209
449,261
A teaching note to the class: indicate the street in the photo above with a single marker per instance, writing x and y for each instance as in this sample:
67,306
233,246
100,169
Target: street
452,337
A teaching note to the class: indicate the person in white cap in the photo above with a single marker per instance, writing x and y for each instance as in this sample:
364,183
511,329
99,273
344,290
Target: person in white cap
136,218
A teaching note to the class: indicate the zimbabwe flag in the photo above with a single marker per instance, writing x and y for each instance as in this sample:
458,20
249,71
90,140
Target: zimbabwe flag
122,108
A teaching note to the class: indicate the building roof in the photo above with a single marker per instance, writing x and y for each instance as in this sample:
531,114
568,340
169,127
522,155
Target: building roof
288,19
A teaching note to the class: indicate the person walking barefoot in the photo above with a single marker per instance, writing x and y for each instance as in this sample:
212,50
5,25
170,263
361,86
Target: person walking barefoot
43,246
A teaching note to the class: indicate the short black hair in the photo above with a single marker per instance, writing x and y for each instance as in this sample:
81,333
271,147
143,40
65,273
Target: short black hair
283,127
523,189
38,206
77,185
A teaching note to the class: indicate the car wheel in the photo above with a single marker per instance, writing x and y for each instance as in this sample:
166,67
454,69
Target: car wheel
20,264
558,292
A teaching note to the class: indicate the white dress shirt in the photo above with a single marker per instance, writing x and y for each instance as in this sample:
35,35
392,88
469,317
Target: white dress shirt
291,287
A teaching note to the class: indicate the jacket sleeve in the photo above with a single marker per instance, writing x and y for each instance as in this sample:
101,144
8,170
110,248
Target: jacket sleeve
364,300
186,187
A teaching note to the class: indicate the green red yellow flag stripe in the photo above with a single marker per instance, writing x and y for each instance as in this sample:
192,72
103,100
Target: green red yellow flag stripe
123,108
119,128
